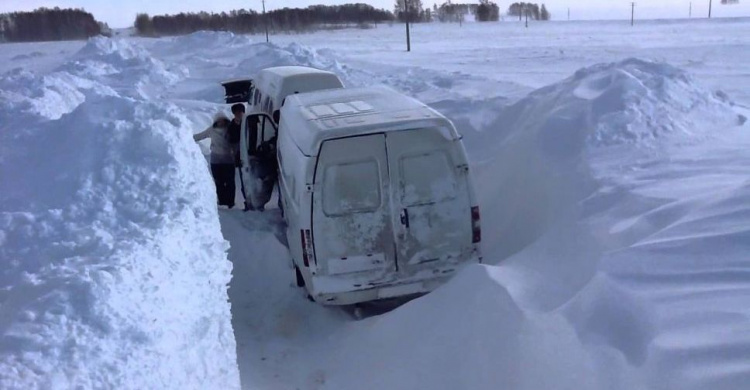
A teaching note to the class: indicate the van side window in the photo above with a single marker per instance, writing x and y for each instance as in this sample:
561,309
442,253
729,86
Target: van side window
351,188
427,178
257,97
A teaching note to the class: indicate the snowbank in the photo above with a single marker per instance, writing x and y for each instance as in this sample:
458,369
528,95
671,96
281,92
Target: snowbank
539,146
224,39
114,267
124,65
596,194
264,55
468,334
50,96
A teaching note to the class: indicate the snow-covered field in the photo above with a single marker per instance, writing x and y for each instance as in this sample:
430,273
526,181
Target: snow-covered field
612,169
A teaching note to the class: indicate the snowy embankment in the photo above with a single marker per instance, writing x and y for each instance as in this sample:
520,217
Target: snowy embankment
114,267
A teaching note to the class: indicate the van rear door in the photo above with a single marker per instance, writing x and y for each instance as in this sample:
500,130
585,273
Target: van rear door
431,198
351,218
237,91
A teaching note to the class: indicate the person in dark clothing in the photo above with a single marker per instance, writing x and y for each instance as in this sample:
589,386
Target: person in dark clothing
222,159
235,129
234,133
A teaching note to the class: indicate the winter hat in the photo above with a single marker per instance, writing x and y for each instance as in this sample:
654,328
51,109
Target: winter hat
220,116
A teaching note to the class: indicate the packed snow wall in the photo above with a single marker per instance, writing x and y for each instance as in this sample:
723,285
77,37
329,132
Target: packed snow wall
114,270
535,159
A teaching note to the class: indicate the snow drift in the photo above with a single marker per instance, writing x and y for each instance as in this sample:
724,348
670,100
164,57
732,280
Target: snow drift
114,268
468,334
540,146
50,96
125,66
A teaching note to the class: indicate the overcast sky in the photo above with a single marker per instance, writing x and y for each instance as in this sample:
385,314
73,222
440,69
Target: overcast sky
122,13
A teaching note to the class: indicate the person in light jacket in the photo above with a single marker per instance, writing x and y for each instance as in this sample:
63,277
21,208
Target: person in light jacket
223,154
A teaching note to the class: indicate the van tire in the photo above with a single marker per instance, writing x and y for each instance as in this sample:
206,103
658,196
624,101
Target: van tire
300,279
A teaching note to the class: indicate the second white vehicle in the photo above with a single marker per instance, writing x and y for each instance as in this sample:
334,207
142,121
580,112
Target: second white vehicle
266,93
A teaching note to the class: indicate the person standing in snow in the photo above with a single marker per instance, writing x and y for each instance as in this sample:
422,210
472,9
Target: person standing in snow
234,132
235,128
223,155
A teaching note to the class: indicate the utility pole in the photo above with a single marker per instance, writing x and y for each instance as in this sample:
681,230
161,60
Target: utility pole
568,14
709,9
527,18
265,21
408,39
690,11
632,14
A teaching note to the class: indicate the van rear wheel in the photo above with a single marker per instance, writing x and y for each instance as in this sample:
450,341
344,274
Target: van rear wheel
300,279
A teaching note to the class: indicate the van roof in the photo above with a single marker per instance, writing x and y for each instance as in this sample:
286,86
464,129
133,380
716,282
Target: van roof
316,116
281,81
286,71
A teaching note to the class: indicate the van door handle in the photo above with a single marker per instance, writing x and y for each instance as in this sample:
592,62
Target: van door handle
405,218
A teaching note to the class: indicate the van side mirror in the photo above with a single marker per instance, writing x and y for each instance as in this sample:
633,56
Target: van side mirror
276,116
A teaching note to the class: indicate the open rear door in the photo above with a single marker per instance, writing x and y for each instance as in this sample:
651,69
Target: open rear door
351,221
431,199
258,171
237,91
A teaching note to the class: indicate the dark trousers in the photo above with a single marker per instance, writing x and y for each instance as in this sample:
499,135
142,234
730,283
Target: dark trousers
224,179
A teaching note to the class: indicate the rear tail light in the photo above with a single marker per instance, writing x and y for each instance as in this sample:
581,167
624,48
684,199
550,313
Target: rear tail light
476,228
307,252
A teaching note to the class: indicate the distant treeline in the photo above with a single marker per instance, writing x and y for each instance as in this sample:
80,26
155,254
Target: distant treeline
485,11
249,21
45,24
411,10
533,11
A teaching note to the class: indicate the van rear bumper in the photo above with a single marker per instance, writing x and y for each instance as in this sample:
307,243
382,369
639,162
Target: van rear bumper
329,290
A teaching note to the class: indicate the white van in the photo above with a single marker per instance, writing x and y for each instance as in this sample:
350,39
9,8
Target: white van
273,85
377,195
266,93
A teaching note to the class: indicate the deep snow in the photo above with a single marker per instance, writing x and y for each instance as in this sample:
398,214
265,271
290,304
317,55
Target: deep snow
614,205
114,268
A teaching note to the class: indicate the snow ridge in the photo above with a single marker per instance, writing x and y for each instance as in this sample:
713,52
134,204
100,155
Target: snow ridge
114,267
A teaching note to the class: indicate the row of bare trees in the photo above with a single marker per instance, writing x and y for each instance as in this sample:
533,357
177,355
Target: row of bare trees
412,11
49,24
249,21
530,10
